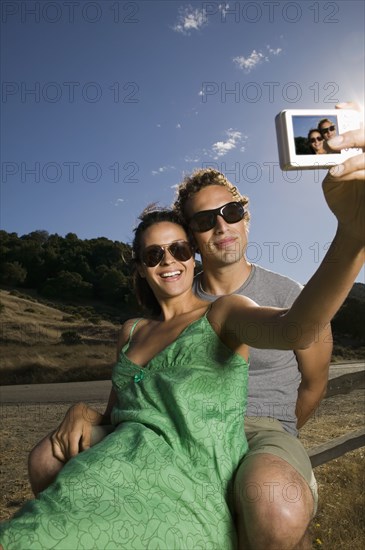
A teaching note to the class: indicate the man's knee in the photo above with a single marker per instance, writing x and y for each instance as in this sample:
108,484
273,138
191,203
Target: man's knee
268,478
274,504
41,454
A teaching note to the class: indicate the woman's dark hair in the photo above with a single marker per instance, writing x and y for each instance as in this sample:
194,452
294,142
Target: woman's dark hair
309,136
149,217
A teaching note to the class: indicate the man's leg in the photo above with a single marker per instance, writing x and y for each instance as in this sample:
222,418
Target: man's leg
273,497
43,466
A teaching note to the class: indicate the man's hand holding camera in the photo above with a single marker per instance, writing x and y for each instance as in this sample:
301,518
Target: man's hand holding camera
353,168
344,185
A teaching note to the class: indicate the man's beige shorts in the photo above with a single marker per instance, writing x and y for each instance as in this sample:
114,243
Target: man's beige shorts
266,435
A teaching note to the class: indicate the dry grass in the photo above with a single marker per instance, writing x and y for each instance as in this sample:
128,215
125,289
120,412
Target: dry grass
340,520
61,363
339,523
33,351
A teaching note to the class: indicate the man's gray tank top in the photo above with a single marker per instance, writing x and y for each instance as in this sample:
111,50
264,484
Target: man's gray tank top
274,377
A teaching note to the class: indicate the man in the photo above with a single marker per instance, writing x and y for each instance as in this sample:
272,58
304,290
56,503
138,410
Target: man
275,490
327,128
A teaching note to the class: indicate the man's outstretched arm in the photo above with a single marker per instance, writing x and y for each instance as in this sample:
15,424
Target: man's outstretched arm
313,364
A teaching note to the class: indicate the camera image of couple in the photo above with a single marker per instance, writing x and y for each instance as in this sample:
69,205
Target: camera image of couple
311,135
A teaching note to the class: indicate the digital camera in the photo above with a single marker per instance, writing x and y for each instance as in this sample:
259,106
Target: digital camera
302,136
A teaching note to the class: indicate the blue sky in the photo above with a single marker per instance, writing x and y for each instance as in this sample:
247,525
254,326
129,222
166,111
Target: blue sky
106,105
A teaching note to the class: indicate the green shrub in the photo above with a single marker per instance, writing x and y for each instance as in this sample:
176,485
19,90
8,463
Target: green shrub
71,318
95,319
71,337
17,294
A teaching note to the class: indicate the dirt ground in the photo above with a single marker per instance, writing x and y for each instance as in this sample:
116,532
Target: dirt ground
23,425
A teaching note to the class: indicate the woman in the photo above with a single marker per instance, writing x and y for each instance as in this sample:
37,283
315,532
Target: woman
163,478
316,142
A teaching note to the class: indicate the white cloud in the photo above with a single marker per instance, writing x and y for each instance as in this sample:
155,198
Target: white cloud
192,158
273,51
194,19
118,202
221,148
178,125
190,19
162,169
255,58
250,62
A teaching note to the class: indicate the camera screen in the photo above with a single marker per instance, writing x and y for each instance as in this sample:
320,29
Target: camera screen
311,134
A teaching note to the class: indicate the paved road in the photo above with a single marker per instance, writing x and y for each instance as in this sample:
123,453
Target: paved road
71,392
338,369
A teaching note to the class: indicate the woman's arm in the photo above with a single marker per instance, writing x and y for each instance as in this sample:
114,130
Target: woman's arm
239,320
74,433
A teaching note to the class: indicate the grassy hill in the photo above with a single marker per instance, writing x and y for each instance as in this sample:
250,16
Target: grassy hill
39,343
43,342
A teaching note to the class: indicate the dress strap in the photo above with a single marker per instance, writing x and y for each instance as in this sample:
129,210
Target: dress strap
126,346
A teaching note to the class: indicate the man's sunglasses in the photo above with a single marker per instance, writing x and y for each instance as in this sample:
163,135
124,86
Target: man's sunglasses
232,212
328,129
312,140
180,250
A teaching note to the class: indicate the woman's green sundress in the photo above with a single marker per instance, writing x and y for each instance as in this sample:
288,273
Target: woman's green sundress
163,479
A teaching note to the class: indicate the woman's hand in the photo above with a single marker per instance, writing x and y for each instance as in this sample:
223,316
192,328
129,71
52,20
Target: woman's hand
74,433
344,186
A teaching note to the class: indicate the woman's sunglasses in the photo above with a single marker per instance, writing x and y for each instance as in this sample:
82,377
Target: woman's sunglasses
232,212
180,250
312,140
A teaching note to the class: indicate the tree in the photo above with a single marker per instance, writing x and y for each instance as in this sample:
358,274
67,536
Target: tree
13,273
301,146
39,235
105,252
29,253
350,318
113,285
67,285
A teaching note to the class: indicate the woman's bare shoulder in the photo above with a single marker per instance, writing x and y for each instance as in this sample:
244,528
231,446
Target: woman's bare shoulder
228,309
125,331
234,300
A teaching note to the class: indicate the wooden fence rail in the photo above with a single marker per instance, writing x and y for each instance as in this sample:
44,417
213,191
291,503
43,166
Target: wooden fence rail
340,445
337,447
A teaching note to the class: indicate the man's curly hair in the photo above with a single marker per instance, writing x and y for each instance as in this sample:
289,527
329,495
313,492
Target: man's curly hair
204,178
